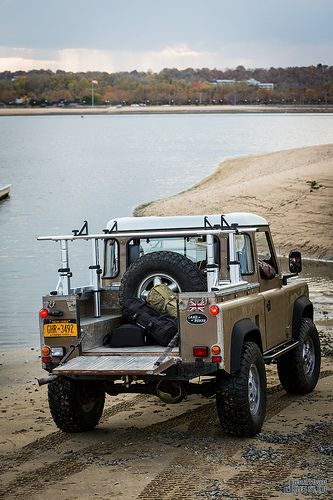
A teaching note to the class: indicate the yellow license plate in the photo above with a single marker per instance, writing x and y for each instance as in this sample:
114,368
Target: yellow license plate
60,328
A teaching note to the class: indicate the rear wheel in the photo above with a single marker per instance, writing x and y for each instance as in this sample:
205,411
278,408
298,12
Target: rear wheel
75,406
241,398
299,369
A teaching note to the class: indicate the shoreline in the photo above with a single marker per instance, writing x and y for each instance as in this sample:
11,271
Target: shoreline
283,187
166,109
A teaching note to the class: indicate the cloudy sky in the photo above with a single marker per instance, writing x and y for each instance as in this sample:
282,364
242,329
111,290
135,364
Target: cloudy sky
123,35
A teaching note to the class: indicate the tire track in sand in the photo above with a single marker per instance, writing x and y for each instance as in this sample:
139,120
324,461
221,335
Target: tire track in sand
29,481
187,473
58,438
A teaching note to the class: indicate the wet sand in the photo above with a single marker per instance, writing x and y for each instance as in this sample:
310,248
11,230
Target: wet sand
165,109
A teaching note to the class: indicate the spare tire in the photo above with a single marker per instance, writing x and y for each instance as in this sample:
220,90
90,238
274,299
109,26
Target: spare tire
176,271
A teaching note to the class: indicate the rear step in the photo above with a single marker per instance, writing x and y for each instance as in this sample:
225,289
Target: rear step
277,351
115,365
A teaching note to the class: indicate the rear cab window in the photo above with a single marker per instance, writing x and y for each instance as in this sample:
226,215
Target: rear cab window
194,248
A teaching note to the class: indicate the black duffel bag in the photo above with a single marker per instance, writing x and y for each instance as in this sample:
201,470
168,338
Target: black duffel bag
160,329
126,336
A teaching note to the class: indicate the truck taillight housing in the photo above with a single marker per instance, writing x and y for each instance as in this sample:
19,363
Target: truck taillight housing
214,310
200,351
216,359
215,350
46,350
43,313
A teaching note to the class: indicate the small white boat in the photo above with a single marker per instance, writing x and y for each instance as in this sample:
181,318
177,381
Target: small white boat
4,191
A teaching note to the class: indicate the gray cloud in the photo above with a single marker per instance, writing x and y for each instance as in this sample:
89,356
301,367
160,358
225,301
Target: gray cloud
220,32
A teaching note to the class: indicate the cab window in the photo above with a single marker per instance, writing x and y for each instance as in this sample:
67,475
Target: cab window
244,254
264,249
111,259
194,248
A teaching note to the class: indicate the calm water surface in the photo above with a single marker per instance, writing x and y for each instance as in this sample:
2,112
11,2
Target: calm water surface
67,169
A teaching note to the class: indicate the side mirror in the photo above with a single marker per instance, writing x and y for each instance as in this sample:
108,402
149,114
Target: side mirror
295,262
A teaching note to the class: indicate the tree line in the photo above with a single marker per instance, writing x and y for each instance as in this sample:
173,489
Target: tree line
292,85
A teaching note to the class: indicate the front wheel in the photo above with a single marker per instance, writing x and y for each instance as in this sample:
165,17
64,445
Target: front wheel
241,398
75,406
299,369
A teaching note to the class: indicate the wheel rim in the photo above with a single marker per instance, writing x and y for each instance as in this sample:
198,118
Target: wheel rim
157,279
254,389
309,356
87,401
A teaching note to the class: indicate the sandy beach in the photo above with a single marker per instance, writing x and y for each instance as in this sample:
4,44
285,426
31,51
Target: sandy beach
292,189
164,109
145,449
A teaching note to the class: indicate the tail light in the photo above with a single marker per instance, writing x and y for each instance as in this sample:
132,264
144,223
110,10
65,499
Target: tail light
216,359
214,310
46,354
46,359
215,350
43,313
46,350
200,351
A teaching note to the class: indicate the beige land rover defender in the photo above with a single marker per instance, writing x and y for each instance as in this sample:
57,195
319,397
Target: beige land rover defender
235,312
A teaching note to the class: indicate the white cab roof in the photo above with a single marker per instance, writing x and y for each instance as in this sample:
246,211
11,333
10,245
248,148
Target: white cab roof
242,219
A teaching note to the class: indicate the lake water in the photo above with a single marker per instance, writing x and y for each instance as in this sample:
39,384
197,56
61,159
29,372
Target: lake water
64,169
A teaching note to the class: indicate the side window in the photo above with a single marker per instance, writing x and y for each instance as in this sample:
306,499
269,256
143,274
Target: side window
244,253
111,259
263,248
266,262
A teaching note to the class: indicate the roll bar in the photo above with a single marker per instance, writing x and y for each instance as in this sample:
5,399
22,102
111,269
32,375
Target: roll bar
212,270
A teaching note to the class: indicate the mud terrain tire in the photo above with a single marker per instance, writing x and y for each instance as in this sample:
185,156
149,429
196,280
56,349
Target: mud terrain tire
75,406
170,268
299,369
241,398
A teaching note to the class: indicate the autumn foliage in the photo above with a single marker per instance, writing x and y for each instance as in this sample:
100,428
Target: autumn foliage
294,85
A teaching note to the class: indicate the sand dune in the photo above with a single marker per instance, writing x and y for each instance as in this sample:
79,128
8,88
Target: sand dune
293,189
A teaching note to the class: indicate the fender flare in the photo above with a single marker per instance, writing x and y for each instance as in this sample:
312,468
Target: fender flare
243,329
303,308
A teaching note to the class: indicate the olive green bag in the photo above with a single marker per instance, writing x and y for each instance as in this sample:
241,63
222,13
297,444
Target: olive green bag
163,299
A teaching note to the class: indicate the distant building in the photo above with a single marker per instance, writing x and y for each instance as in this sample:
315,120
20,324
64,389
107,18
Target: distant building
256,83
222,82
253,82
268,86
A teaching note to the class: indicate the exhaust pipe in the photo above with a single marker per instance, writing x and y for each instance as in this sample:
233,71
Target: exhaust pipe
170,392
46,380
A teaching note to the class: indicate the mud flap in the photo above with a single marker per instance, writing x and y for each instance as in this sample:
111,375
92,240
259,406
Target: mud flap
115,365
